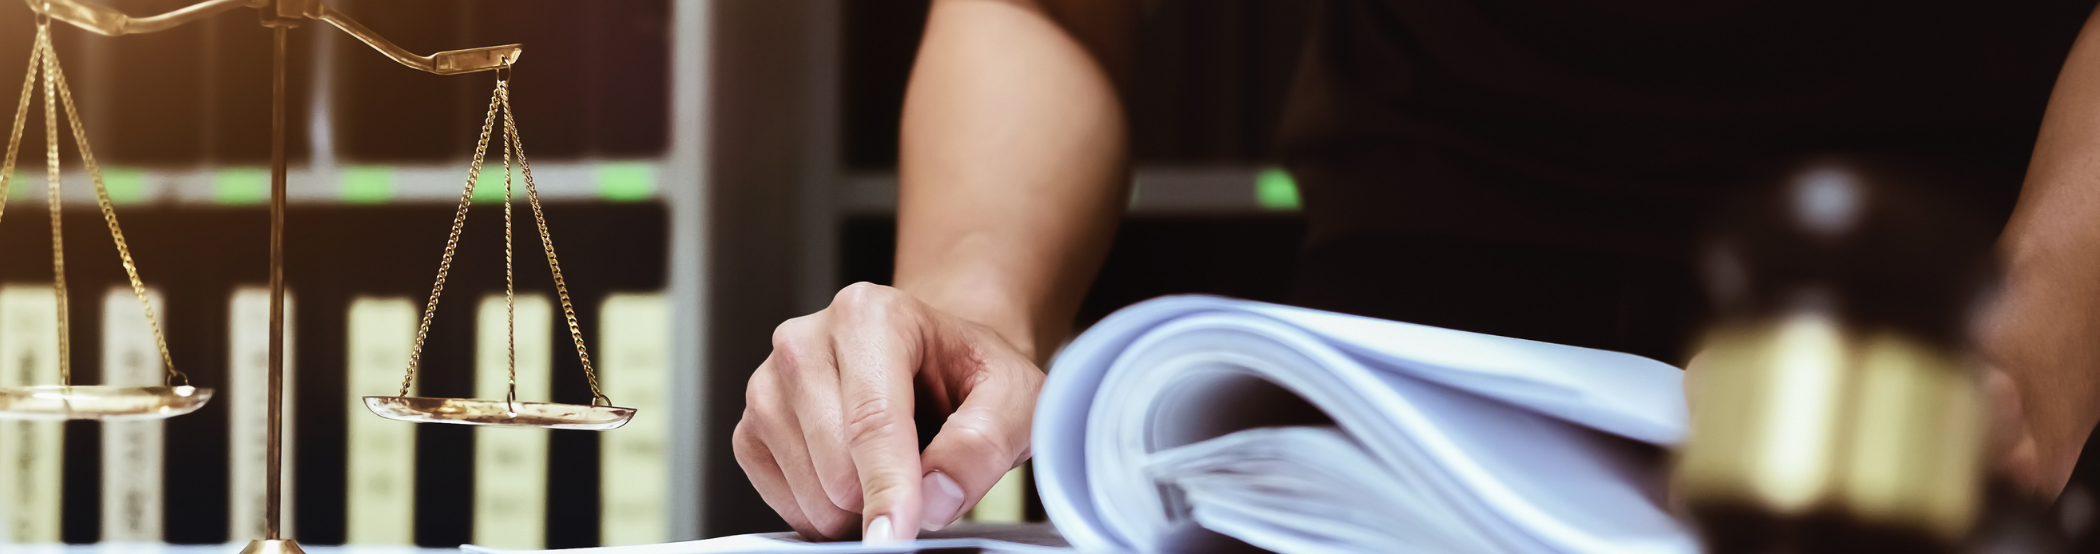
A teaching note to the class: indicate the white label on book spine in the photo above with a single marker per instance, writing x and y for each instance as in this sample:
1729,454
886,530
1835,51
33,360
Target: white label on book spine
382,466
510,465
29,450
131,450
634,364
247,397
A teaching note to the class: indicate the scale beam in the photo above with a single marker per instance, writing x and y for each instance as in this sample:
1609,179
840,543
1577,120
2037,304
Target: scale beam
450,62
107,21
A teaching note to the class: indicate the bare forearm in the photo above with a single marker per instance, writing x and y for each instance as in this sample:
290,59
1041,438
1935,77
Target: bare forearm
1013,165
2043,330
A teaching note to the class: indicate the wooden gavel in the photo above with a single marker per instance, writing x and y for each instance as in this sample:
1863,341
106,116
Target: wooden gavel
1834,403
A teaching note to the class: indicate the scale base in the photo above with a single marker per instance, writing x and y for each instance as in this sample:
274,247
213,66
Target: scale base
286,546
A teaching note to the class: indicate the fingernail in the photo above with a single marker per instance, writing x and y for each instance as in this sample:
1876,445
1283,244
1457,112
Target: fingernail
878,532
943,500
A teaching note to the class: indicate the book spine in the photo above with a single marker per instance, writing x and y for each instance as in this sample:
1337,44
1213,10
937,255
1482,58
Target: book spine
29,450
381,502
248,418
634,342
131,450
510,465
1007,502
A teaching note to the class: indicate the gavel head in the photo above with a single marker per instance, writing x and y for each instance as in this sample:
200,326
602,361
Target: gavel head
1834,407
1873,243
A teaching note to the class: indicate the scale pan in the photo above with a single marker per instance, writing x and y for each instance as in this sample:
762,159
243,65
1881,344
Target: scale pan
466,411
59,402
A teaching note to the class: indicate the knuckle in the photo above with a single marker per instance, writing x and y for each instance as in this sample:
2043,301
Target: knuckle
752,425
750,450
740,442
864,300
786,333
977,432
870,420
742,435
843,488
858,291
758,394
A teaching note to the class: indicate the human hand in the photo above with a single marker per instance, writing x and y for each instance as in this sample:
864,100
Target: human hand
2013,453
828,435
2034,340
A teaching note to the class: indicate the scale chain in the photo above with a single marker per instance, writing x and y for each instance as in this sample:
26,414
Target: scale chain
109,214
510,301
14,139
512,147
44,56
459,220
561,287
58,239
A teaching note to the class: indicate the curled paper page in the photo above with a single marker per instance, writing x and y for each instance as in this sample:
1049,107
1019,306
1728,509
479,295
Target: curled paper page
1263,422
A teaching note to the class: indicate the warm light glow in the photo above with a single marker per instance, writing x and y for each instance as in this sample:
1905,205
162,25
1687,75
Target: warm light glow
1807,371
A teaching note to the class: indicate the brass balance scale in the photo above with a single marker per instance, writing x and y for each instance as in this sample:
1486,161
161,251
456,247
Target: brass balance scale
177,396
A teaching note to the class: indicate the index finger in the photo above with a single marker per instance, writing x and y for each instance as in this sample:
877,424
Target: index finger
878,355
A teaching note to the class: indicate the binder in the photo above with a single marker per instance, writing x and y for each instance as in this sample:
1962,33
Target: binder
510,465
132,451
634,347
248,418
381,500
30,451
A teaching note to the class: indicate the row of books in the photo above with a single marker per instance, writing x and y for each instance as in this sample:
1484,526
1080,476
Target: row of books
510,466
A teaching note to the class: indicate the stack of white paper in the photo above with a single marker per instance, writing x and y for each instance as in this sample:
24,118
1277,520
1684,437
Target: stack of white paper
1303,431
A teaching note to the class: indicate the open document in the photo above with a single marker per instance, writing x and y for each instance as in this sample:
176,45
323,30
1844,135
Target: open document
1303,431
1300,431
974,538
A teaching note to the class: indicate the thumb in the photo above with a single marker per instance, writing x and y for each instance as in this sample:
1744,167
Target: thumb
985,437
2008,424
2011,442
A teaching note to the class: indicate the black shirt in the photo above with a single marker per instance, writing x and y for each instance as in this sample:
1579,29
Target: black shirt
1541,168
